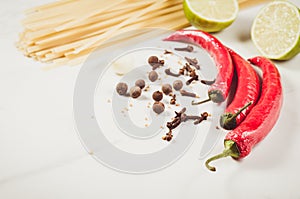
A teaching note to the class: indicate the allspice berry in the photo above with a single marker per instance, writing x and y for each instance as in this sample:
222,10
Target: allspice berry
157,96
177,85
140,83
158,107
121,88
152,60
135,92
166,88
153,76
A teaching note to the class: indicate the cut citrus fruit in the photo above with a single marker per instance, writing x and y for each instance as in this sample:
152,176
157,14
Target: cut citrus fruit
276,30
211,15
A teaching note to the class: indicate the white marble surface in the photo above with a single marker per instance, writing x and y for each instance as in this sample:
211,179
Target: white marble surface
42,157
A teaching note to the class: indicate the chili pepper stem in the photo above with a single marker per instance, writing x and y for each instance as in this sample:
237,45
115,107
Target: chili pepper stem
230,150
201,102
228,120
241,110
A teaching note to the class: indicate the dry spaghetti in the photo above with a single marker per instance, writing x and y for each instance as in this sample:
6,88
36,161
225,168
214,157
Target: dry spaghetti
66,31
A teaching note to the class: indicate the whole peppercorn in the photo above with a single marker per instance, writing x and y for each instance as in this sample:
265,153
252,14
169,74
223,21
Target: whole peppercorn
158,107
153,76
157,96
152,60
135,92
177,85
167,89
140,83
121,88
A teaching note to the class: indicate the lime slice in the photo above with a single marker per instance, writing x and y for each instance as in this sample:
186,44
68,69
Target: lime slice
276,30
210,15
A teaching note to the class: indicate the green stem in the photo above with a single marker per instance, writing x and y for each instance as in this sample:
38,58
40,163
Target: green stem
201,102
239,112
231,149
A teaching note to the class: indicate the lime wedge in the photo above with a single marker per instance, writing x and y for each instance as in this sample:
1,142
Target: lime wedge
210,15
276,30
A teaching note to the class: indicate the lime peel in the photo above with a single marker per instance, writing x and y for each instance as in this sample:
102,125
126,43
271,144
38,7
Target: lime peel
211,15
276,30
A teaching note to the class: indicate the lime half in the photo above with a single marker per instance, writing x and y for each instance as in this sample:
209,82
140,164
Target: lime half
211,15
276,30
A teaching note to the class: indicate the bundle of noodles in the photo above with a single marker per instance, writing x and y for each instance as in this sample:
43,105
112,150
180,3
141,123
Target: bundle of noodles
66,31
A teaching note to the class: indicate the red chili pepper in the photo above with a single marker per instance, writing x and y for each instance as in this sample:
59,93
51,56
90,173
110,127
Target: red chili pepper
263,116
218,91
246,94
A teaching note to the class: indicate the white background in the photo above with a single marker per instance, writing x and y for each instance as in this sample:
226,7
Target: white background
41,155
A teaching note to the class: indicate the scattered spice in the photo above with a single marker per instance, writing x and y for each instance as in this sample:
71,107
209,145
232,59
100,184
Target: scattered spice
186,93
173,124
202,117
147,88
168,137
208,82
121,88
185,117
153,76
193,78
140,83
158,107
193,62
182,117
168,52
177,85
181,71
173,99
189,48
157,96
186,68
155,62
169,72
167,89
135,92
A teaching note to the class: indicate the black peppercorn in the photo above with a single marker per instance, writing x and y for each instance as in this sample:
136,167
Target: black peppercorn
135,92
158,107
177,85
167,89
153,76
157,96
140,83
121,88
